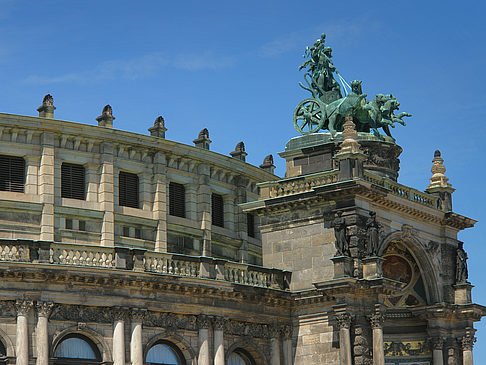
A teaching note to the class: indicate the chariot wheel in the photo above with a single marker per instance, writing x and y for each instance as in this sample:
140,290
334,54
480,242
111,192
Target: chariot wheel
309,116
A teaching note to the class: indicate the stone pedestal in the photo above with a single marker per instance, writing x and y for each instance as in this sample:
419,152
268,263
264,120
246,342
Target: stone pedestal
372,267
343,266
462,293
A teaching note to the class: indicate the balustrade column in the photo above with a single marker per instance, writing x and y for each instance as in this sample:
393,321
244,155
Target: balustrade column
218,325
203,324
438,351
22,335
160,201
275,345
344,323
378,350
119,336
136,346
467,343
287,344
42,335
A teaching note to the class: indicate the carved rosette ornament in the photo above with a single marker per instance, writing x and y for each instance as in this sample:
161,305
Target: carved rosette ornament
44,309
376,320
23,307
344,320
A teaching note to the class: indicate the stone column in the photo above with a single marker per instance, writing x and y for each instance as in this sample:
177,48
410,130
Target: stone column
203,324
146,190
191,201
438,351
119,337
344,323
46,187
106,195
275,345
42,335
136,346
467,343
22,336
160,201
229,212
32,171
377,327
218,325
92,172
287,344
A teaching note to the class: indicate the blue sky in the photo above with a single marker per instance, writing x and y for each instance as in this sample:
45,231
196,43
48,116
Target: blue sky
232,67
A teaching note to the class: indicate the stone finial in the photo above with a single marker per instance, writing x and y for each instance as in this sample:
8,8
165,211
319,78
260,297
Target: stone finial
46,110
350,144
438,179
239,152
202,140
267,164
106,118
158,130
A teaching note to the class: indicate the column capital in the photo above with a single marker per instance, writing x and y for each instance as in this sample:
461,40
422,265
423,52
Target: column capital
218,323
437,343
120,314
344,320
23,307
203,321
274,330
377,320
137,315
286,331
44,309
467,341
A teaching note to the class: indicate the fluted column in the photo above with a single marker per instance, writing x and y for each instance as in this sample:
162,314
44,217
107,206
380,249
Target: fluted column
287,344
218,325
22,336
377,327
467,343
136,346
438,351
344,323
203,324
42,335
275,345
119,336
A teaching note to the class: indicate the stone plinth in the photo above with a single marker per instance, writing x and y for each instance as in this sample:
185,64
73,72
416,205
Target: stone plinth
343,266
462,293
372,268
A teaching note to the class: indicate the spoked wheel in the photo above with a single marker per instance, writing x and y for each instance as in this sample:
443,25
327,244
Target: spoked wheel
309,116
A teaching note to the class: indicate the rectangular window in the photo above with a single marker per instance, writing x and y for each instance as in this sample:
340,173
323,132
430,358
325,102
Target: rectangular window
177,200
138,233
128,190
12,173
217,210
72,181
126,231
82,225
69,223
250,225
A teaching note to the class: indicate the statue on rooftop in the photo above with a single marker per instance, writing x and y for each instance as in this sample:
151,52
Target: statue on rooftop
327,108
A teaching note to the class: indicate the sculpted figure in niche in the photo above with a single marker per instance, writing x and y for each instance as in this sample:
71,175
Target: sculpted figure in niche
341,243
372,230
461,264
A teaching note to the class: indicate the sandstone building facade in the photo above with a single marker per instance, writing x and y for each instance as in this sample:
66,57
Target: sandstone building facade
121,248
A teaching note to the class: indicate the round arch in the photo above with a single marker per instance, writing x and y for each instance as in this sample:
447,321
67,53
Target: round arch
429,272
250,348
91,334
7,343
177,341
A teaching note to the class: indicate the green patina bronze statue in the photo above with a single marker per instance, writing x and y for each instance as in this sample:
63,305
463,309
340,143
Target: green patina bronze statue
327,108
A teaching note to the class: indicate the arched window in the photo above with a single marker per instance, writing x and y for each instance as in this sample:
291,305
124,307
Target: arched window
240,357
165,353
77,349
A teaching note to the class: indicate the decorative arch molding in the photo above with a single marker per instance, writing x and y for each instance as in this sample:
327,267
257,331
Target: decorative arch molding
90,333
182,344
9,345
247,344
408,237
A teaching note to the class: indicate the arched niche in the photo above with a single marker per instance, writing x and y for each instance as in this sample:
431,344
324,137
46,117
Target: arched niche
178,343
7,344
409,250
249,351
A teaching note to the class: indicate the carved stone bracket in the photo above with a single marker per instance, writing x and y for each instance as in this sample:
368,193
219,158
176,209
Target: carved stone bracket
44,309
23,307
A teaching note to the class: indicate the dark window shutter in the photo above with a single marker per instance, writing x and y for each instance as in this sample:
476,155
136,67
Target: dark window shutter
250,225
217,210
12,173
72,181
177,200
128,190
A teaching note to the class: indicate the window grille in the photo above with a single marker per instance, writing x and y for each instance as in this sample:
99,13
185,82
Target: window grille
250,225
217,210
12,173
72,181
177,200
128,190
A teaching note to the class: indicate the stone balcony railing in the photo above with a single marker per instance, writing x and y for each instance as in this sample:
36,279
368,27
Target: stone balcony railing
139,260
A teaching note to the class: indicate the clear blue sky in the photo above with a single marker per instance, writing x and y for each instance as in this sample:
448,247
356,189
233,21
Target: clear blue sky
232,67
